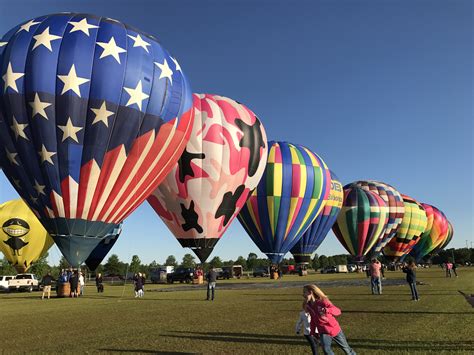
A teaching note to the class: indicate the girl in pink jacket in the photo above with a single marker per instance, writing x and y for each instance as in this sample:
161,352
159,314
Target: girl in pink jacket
323,314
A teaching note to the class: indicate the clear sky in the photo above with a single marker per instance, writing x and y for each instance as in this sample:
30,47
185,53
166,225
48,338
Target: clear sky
380,89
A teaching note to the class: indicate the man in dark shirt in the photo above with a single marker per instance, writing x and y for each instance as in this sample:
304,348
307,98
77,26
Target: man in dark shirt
211,283
47,281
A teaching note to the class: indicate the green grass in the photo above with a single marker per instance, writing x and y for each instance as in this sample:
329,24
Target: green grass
245,321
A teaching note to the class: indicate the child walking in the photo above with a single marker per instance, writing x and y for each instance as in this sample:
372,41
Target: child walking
304,321
323,314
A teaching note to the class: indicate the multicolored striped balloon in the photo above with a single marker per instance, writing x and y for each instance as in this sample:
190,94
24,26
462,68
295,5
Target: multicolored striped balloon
396,209
446,241
435,233
361,222
317,231
414,223
223,162
287,200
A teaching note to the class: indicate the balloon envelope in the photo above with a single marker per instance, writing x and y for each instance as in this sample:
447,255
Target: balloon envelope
222,163
396,209
23,239
361,222
408,234
93,115
317,231
287,200
102,249
436,231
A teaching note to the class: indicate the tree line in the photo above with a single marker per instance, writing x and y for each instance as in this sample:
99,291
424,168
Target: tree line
116,267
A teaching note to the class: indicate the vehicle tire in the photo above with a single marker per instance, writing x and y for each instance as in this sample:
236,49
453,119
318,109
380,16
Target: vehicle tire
30,289
188,281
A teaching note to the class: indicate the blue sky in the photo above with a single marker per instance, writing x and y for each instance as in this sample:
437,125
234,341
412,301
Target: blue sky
379,89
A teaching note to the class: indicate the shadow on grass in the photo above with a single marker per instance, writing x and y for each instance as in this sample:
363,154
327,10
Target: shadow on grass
377,344
239,337
405,312
141,351
410,345
469,298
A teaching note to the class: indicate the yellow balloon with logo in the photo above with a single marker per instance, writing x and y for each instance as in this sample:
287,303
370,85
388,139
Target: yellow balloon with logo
23,238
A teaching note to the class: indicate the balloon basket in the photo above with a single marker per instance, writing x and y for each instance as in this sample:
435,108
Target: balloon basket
64,290
198,280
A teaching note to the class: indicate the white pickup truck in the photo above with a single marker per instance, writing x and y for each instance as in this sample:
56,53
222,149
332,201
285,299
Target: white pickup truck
28,282
4,282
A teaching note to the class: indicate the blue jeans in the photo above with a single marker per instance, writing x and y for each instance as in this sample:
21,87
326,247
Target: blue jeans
340,340
313,343
376,284
414,292
211,286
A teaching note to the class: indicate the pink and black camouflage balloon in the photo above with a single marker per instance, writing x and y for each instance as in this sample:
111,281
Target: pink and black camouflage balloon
222,163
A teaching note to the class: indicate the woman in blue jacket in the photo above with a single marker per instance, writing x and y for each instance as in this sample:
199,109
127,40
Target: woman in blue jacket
411,279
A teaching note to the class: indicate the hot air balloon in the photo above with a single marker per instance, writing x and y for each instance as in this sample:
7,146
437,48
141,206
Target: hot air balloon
93,115
102,249
396,209
222,163
444,243
408,234
317,231
361,222
23,239
287,200
436,231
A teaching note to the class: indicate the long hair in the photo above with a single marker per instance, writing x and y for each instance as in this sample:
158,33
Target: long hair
315,291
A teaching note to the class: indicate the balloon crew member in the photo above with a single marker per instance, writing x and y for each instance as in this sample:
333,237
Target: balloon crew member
98,282
211,283
82,283
74,282
411,279
375,277
323,314
454,269
47,281
304,321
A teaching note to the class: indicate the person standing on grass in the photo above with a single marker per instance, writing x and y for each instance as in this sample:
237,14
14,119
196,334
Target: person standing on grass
47,281
211,277
98,283
454,269
74,281
410,270
304,321
82,283
323,314
449,266
375,279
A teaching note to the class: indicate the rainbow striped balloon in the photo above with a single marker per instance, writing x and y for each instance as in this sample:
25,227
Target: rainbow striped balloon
446,241
396,209
414,223
361,222
287,200
436,232
318,230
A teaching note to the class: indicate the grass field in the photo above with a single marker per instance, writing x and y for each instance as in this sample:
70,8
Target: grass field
251,320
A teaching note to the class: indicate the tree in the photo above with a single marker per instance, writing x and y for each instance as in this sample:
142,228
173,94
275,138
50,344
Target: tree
171,261
315,264
113,266
252,261
153,265
340,259
241,261
40,267
331,261
216,262
63,263
135,264
323,261
6,268
188,261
